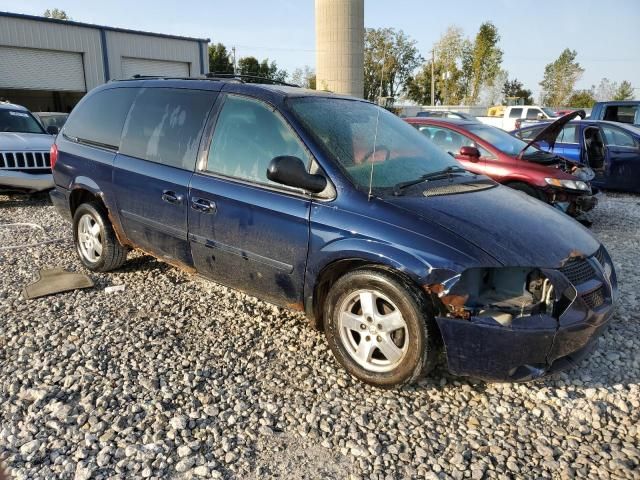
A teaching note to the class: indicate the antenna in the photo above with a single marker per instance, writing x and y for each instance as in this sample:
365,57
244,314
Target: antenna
375,135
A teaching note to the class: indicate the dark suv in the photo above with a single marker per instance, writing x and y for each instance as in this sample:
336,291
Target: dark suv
333,206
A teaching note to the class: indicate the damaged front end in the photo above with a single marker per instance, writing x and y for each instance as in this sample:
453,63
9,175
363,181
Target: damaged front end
517,324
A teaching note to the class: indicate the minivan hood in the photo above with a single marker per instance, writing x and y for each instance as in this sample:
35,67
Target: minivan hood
515,229
21,142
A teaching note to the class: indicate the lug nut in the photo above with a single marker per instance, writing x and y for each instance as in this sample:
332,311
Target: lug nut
379,338
369,319
368,338
362,326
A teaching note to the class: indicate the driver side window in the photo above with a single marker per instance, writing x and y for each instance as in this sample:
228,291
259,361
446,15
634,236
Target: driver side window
247,136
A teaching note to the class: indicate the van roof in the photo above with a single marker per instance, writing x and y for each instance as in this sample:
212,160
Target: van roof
12,106
228,84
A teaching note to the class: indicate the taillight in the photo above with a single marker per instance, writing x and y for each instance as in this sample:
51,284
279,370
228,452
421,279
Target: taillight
53,155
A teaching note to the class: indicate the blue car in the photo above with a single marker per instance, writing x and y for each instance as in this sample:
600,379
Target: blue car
611,149
333,206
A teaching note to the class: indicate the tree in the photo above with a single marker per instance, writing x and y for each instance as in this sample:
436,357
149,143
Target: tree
581,99
264,69
390,57
560,78
449,55
514,88
57,14
483,61
493,94
606,90
418,86
624,91
219,59
305,77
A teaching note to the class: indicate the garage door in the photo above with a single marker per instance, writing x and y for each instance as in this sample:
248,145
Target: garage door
142,66
32,69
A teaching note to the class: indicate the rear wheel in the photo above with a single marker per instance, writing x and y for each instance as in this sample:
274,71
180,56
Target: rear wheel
379,328
96,243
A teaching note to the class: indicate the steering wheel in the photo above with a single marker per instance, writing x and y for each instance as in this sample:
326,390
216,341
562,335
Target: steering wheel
376,150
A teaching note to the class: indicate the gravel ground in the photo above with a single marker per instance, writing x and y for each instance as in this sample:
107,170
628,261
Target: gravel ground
176,377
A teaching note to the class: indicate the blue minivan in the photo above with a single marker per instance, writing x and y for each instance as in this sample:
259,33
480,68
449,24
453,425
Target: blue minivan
333,206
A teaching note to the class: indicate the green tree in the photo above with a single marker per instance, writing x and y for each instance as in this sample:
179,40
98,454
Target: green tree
560,78
390,57
624,91
515,88
483,60
219,59
581,99
305,77
449,56
264,69
57,14
418,87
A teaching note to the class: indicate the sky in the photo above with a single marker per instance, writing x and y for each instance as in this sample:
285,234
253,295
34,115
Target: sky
605,33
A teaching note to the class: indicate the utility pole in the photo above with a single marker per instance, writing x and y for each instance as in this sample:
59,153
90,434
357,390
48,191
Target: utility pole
235,70
433,77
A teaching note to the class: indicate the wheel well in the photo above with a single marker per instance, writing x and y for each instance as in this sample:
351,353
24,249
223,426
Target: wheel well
332,272
80,196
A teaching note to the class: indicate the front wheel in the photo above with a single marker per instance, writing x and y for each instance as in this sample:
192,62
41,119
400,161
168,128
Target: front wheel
379,329
96,243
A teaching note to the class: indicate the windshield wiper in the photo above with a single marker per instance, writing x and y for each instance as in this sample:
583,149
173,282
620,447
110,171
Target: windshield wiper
444,173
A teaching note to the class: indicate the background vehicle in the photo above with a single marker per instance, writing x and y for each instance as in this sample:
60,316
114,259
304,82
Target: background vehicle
624,111
512,113
24,151
446,114
336,207
55,119
611,149
490,151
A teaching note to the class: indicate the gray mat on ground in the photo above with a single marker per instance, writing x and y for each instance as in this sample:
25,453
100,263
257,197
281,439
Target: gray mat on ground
56,280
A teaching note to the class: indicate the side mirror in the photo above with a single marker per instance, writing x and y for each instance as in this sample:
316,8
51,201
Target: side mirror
290,171
470,153
52,130
540,116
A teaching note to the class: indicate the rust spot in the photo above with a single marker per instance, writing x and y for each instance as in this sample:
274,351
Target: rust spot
122,238
298,306
436,288
455,305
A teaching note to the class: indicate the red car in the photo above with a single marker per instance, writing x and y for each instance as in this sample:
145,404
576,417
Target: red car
489,151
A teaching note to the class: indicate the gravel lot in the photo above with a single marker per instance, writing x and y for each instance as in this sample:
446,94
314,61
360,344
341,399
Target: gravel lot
176,377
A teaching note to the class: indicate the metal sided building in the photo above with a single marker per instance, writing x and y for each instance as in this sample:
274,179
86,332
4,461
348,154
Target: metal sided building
48,64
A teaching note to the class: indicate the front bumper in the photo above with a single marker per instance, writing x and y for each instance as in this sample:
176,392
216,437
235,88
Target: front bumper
12,180
532,346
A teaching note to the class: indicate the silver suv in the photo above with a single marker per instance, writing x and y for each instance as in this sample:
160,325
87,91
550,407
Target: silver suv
24,151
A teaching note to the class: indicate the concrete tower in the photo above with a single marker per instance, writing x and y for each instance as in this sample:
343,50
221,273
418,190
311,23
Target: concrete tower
340,46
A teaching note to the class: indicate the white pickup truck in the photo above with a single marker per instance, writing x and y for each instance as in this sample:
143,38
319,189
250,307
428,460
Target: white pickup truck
517,114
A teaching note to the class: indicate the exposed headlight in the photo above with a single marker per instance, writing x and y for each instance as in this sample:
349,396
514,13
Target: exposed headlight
570,184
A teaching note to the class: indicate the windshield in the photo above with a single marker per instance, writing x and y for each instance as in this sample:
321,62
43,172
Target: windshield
549,112
501,140
18,121
347,128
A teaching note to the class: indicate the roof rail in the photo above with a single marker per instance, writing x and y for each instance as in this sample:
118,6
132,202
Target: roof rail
247,79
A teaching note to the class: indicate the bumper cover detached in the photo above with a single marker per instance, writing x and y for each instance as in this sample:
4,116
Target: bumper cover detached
32,182
531,346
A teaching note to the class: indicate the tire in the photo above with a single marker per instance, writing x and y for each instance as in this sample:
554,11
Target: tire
102,252
525,188
415,341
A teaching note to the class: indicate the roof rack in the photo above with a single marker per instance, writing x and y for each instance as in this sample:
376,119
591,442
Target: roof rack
243,79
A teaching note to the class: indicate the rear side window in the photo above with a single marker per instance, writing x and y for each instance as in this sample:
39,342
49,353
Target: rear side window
619,138
165,126
515,113
100,117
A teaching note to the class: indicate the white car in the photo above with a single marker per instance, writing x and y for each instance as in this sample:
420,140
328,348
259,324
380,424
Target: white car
24,151
518,112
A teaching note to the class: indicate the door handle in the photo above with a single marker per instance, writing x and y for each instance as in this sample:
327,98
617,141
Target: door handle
172,197
203,206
